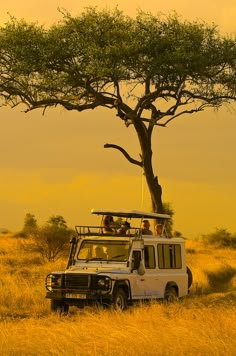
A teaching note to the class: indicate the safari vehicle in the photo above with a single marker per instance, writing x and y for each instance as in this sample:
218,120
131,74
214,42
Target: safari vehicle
113,269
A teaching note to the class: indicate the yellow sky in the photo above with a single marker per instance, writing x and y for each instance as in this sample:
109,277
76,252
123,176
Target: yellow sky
56,164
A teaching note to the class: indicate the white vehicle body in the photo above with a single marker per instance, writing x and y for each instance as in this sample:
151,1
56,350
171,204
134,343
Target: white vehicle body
113,269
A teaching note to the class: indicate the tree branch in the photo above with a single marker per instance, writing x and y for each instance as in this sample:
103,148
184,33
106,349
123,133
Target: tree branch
125,153
182,113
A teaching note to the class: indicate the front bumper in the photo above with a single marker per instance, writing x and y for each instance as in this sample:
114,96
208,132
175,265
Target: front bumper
78,298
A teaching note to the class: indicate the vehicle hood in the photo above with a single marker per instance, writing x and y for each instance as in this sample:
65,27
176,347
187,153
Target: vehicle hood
98,269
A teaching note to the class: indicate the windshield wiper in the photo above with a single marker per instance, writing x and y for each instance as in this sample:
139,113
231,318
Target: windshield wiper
117,256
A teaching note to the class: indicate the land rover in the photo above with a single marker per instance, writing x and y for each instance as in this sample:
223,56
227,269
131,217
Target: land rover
116,269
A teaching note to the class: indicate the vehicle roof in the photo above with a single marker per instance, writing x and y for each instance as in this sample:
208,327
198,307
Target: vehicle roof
130,214
146,238
108,238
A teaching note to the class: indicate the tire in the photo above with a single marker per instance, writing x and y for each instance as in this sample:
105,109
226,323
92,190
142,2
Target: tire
190,277
59,307
171,295
119,299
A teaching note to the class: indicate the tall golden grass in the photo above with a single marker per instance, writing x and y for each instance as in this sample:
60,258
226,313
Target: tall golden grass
204,323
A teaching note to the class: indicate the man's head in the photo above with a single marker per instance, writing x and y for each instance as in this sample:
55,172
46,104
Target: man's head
145,225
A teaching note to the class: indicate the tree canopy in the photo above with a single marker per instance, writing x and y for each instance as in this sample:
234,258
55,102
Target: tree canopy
149,70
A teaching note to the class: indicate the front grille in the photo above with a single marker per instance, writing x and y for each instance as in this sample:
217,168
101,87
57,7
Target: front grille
76,281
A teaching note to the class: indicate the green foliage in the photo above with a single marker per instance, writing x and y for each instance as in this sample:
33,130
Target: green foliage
220,238
82,60
221,280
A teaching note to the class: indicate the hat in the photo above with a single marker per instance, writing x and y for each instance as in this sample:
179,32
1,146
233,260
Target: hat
126,223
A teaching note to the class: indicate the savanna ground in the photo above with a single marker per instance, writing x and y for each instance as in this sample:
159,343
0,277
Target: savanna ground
204,323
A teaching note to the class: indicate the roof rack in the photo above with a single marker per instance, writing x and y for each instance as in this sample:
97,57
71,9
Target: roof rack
130,214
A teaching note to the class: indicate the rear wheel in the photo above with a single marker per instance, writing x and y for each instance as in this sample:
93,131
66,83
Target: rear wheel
57,306
190,277
119,299
171,295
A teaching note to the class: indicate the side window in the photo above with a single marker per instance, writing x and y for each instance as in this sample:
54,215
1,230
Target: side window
169,256
149,257
136,258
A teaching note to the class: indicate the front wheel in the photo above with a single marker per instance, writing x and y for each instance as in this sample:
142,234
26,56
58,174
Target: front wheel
58,306
119,299
171,295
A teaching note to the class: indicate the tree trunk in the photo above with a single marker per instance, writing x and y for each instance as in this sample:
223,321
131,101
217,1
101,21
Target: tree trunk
154,187
153,184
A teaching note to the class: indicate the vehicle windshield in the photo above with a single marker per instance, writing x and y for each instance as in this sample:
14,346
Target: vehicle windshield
104,251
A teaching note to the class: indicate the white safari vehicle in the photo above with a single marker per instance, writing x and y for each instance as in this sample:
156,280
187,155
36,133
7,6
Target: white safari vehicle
116,269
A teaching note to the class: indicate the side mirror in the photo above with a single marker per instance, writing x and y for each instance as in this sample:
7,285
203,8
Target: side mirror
141,269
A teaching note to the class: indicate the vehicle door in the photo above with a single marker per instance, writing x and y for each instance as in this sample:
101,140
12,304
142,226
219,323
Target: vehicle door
137,279
153,284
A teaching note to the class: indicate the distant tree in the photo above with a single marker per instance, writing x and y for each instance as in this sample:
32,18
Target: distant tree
57,220
150,70
51,240
30,224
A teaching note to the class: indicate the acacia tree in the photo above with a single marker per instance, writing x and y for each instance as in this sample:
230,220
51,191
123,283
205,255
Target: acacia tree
52,239
150,70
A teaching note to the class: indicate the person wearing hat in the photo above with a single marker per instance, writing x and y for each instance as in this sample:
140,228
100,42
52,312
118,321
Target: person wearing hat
124,229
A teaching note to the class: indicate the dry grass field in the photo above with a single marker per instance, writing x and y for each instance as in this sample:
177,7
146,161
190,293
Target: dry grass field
204,323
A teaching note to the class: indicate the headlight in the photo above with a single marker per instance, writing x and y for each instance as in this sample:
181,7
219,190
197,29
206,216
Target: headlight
101,282
53,281
104,282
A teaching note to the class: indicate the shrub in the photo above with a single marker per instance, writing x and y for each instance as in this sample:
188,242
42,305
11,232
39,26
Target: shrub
20,234
221,279
220,238
4,231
